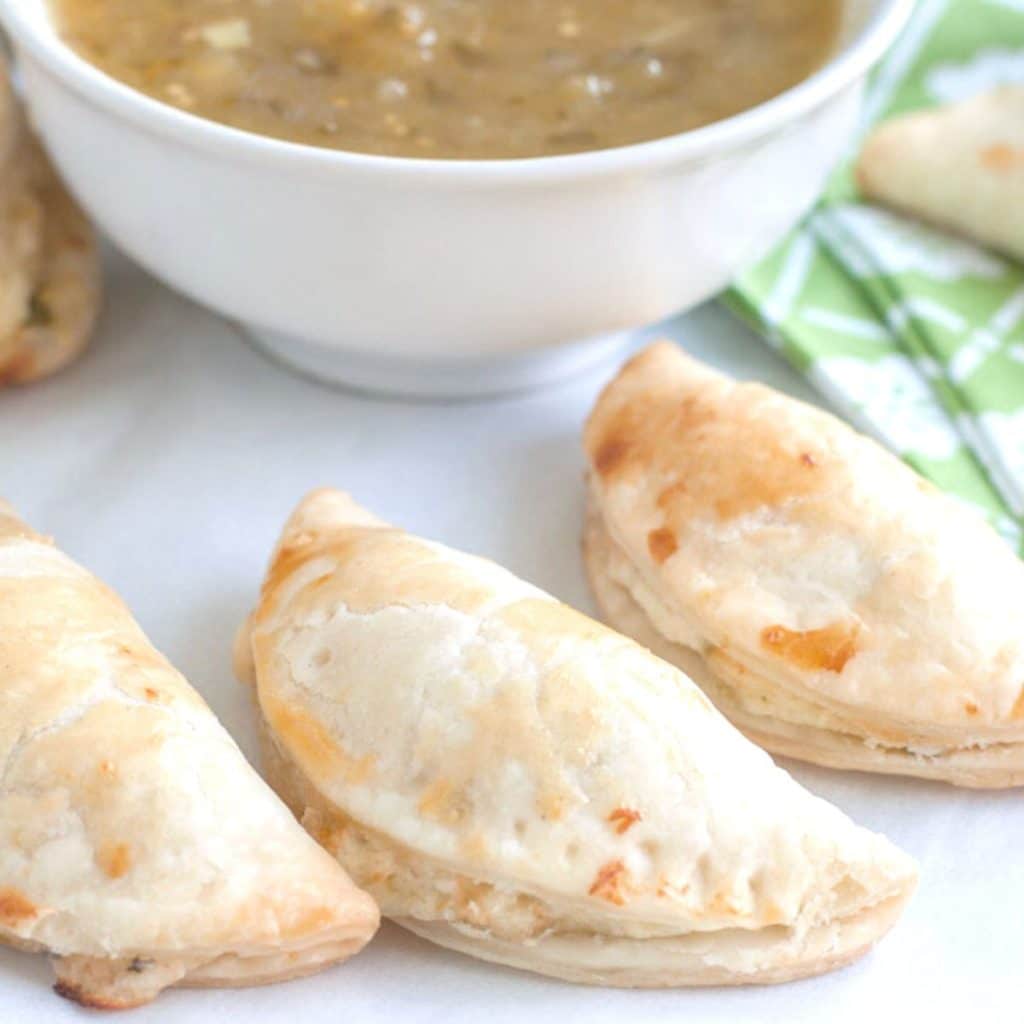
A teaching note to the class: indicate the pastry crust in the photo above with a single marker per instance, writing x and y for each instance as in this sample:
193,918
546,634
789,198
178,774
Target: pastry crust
959,167
833,604
51,287
692,960
513,780
137,847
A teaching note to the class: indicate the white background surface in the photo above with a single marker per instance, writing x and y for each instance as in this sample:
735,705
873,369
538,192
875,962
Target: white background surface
167,460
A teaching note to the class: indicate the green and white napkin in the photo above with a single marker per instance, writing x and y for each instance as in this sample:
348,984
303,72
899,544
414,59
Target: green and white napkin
915,336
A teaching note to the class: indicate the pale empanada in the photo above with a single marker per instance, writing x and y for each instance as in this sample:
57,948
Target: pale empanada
835,605
959,167
515,781
137,846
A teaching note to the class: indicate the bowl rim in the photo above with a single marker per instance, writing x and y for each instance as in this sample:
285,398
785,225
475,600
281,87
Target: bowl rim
102,91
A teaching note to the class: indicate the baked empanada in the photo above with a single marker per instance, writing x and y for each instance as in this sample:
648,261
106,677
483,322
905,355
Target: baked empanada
515,781
832,603
959,167
137,846
50,278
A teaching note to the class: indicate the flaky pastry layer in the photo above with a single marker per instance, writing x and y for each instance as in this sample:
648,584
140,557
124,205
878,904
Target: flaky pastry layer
782,721
563,938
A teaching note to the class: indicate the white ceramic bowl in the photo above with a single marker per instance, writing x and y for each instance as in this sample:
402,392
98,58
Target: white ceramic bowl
441,277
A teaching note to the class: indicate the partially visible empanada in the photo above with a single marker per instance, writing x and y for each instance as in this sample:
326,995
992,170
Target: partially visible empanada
137,846
50,278
514,781
959,167
835,605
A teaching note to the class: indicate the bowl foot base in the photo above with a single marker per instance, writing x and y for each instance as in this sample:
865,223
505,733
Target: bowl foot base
435,378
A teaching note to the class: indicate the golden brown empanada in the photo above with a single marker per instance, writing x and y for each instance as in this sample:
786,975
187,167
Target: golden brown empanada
515,781
959,167
137,846
832,603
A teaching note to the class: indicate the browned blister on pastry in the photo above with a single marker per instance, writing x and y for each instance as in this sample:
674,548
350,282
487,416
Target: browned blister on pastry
137,846
516,781
835,605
